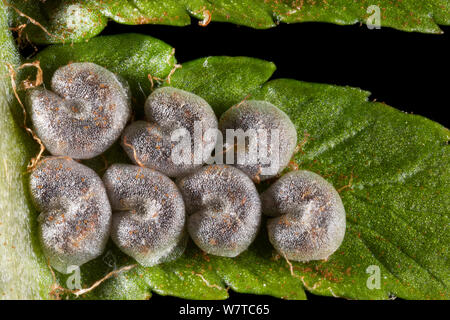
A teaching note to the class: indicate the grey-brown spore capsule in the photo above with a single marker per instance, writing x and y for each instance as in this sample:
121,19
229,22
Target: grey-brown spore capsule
264,116
309,221
224,209
84,114
75,213
149,215
168,109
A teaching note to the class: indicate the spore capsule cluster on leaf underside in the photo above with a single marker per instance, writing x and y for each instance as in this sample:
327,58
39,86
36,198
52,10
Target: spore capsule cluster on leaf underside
75,216
274,134
84,114
216,204
169,110
149,215
224,209
308,217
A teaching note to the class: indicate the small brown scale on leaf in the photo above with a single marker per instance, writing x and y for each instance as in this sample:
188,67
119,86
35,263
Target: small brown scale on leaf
75,213
309,216
167,109
149,215
84,113
220,222
260,116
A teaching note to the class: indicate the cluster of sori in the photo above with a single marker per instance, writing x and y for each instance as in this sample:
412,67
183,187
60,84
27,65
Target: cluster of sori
151,208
